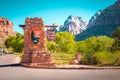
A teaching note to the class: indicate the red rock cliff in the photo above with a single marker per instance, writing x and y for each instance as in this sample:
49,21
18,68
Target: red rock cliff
6,29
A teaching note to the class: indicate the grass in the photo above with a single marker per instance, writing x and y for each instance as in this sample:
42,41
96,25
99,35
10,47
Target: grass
62,58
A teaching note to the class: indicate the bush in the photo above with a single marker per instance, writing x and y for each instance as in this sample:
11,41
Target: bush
15,42
116,58
95,50
63,48
103,58
51,46
116,44
64,43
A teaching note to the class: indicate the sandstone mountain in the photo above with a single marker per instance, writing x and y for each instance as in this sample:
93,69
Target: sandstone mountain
104,22
6,30
74,25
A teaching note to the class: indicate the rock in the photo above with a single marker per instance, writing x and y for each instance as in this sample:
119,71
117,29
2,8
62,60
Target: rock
103,23
6,29
107,16
74,25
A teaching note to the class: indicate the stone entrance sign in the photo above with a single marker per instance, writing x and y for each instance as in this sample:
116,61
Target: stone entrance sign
35,54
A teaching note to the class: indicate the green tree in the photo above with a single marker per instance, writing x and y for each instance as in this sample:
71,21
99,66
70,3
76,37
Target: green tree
95,44
15,42
64,43
89,47
116,44
81,47
51,46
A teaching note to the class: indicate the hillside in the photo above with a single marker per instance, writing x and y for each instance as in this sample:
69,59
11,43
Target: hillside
6,30
104,22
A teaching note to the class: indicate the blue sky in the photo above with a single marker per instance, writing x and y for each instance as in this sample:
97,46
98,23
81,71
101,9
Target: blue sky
52,11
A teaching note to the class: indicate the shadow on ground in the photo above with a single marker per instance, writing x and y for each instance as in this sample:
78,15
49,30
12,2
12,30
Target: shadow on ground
10,65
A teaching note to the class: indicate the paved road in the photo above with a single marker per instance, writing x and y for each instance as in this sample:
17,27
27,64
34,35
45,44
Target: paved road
21,73
15,72
9,59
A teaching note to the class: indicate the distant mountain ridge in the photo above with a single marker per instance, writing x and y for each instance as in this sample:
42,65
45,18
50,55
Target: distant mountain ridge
104,22
74,25
108,16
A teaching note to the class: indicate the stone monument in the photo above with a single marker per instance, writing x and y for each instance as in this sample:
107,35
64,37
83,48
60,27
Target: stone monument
35,54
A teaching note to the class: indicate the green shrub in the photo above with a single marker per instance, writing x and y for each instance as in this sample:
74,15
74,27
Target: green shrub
64,43
15,42
116,44
51,46
103,58
95,50
116,58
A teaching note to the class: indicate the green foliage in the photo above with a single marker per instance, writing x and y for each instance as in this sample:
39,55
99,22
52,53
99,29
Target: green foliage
15,42
107,58
116,35
64,48
116,58
94,50
90,48
64,43
81,47
103,58
95,44
51,46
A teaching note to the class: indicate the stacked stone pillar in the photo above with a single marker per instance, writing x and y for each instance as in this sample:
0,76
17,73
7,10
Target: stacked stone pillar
35,54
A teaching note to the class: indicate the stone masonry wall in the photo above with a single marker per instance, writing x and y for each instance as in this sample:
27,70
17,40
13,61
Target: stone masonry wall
33,24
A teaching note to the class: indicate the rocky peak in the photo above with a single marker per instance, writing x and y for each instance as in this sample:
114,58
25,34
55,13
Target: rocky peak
74,25
6,29
108,16
104,22
93,19
6,22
